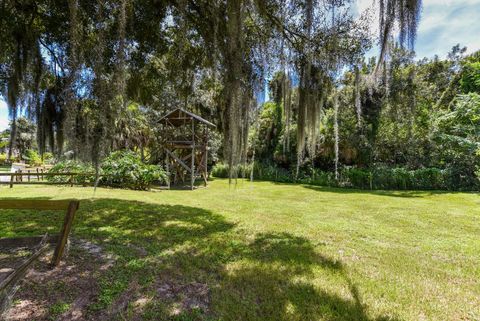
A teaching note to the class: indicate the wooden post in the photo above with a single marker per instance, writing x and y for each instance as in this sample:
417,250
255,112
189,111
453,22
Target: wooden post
206,155
38,176
28,177
167,167
63,237
71,180
11,181
193,155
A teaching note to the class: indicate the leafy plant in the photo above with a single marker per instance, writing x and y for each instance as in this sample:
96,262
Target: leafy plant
3,159
71,166
48,158
32,157
125,169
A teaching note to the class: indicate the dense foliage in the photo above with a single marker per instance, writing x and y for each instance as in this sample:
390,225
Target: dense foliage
71,166
122,169
126,170
429,121
85,78
397,178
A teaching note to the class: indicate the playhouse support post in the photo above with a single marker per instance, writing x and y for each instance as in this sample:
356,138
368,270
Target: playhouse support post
192,172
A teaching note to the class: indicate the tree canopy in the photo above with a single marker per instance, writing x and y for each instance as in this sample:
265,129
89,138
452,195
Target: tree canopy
95,76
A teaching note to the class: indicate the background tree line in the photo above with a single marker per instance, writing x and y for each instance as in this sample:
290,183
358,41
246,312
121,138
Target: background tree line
94,76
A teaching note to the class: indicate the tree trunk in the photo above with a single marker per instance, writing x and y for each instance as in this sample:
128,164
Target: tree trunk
13,136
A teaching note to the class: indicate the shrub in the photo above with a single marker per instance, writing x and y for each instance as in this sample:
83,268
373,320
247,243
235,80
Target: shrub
3,159
48,158
377,178
32,158
71,166
125,169
355,177
260,172
428,178
401,178
320,178
457,178
220,170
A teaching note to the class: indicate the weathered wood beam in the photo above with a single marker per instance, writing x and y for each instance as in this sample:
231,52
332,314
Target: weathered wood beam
178,160
7,287
27,241
63,237
34,204
49,174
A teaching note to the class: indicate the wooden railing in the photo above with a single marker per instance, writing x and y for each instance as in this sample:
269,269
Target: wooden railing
38,177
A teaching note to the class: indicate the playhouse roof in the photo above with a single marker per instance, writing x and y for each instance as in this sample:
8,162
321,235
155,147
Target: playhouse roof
180,116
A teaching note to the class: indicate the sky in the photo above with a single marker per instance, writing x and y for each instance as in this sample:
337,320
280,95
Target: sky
3,115
443,24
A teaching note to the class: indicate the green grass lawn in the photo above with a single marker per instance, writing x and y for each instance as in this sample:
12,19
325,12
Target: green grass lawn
267,251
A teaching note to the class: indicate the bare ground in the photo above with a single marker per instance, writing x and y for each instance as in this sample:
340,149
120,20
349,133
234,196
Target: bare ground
68,291
62,293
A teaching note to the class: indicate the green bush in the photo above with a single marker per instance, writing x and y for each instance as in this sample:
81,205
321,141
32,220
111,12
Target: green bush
71,166
318,177
355,177
48,158
378,178
457,178
428,178
401,178
260,172
3,159
220,170
32,158
125,169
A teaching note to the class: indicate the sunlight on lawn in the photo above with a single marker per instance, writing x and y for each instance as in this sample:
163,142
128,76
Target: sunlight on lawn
266,251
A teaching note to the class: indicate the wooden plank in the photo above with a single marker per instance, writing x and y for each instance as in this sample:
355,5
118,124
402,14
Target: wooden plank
20,204
39,183
7,287
15,275
49,174
26,241
178,160
63,237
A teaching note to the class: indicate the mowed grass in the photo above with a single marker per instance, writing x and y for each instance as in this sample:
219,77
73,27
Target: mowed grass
271,251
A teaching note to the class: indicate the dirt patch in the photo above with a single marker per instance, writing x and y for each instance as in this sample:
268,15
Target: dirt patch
184,297
10,259
71,290
62,293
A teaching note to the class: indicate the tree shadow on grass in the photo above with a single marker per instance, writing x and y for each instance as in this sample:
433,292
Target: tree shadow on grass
390,193
192,264
24,223
274,282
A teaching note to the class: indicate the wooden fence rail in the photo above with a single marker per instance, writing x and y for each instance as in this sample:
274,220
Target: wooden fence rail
17,178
